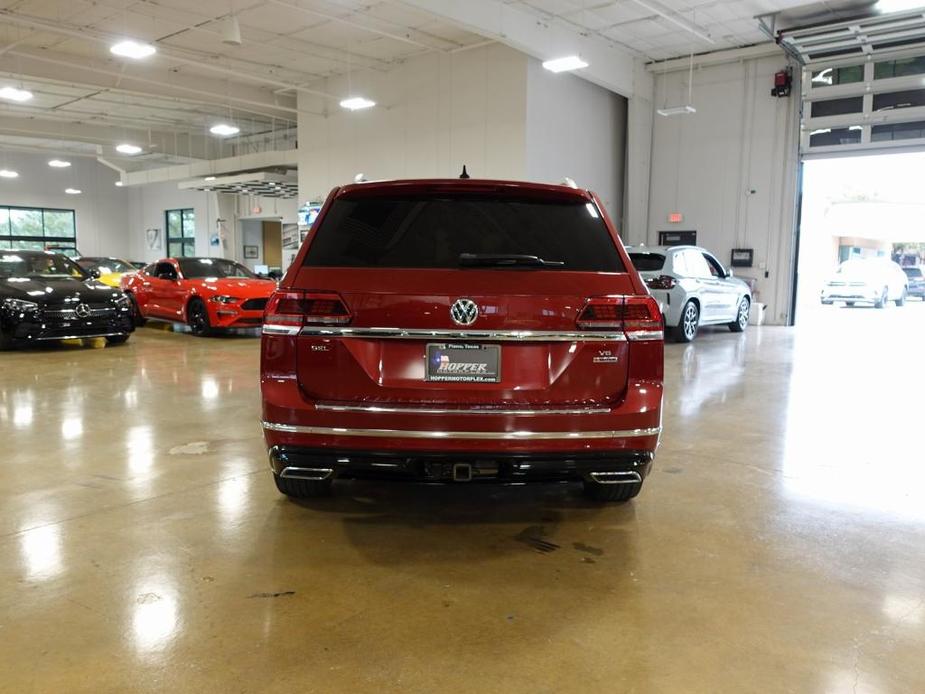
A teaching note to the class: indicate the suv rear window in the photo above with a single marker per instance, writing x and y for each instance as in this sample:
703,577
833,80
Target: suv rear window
913,271
433,231
648,262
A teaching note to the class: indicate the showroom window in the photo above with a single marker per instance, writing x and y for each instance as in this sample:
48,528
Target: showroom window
835,136
893,100
838,75
837,107
35,228
898,131
181,233
899,68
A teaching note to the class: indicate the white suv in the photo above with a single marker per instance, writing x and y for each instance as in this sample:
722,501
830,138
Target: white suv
693,289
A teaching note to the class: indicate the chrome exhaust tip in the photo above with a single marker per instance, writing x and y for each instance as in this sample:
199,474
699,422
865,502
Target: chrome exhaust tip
616,477
307,473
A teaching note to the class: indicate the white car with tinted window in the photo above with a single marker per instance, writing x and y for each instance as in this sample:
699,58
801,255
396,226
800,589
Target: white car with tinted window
867,280
693,289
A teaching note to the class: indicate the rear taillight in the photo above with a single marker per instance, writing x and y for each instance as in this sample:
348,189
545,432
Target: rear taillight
637,316
661,282
297,308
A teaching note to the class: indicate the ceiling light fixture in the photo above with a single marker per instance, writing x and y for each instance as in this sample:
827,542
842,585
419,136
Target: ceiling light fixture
73,191
357,103
209,178
7,173
14,94
569,62
118,184
231,33
59,164
224,130
133,49
676,110
126,148
897,5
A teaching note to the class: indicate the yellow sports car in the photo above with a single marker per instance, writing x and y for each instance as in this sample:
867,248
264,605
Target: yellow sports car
108,270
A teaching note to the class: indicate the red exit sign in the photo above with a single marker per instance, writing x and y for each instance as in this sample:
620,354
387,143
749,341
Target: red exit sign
675,217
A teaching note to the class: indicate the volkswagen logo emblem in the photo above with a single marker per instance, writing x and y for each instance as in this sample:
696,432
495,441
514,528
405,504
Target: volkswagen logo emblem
464,311
82,311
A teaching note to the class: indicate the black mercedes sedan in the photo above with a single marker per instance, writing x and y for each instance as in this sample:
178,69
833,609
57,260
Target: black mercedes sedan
47,296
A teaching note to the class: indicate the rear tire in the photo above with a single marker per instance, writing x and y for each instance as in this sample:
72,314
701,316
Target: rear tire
197,318
137,319
741,321
116,339
6,342
302,489
611,492
686,330
881,302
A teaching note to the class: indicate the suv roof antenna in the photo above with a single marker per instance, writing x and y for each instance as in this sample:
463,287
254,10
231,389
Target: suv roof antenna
360,178
464,174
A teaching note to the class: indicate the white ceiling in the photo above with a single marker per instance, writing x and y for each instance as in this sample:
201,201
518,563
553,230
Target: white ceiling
59,49
662,29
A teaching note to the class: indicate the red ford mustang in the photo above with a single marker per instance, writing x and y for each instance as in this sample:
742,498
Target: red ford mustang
462,331
205,293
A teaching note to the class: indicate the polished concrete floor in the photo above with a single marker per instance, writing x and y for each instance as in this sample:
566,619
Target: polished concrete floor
777,547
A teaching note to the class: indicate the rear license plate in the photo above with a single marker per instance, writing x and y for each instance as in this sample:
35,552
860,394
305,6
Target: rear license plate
462,363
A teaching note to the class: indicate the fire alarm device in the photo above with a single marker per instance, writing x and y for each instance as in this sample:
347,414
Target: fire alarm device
782,82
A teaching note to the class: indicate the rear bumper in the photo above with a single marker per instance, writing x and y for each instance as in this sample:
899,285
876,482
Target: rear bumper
417,466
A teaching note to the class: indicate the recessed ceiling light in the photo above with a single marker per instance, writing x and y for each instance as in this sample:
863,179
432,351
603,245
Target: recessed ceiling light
133,49
356,103
14,94
59,164
209,178
897,5
224,130
7,173
73,191
126,148
119,184
569,62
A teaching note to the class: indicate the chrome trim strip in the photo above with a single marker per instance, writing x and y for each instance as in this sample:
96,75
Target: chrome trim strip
488,435
640,335
307,473
70,337
395,409
630,477
270,329
474,335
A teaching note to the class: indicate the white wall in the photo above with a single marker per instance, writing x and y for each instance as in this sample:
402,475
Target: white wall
251,235
730,169
147,207
576,129
148,203
434,114
101,211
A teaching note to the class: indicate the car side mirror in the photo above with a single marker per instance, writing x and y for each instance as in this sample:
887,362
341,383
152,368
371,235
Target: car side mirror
729,272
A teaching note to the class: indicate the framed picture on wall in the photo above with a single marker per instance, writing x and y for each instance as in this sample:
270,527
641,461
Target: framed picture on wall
153,239
251,252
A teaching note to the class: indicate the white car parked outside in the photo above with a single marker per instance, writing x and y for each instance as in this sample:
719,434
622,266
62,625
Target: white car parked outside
693,289
867,280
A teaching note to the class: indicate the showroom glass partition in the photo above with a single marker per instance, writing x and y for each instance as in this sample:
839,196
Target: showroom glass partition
36,228
181,232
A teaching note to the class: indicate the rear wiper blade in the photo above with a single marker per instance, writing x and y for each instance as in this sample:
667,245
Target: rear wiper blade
506,260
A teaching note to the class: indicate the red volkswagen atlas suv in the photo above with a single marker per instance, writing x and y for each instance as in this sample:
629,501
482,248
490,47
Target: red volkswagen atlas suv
462,331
